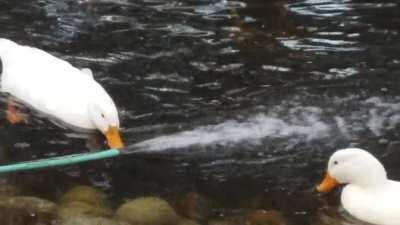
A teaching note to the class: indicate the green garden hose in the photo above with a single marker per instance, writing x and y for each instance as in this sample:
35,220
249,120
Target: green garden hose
59,161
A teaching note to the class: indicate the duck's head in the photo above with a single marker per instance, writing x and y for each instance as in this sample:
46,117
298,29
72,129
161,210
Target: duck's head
105,117
352,166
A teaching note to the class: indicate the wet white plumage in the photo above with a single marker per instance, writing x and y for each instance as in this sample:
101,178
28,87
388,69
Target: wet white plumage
53,86
368,194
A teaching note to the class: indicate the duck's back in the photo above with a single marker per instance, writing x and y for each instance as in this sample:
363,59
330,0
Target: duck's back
33,65
45,82
378,206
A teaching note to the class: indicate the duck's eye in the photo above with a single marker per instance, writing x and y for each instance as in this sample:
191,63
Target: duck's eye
102,115
335,162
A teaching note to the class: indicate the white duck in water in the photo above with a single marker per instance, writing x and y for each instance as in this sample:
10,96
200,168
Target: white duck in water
54,87
368,195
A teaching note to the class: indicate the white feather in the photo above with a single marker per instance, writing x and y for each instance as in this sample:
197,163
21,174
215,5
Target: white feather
54,86
87,71
368,194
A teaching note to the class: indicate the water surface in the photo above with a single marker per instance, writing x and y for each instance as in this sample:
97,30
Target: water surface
250,97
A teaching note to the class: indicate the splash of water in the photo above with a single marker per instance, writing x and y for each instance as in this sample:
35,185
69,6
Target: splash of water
294,124
233,132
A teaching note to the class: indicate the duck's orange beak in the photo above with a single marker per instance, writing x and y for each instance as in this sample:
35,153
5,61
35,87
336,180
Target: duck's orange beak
327,184
113,138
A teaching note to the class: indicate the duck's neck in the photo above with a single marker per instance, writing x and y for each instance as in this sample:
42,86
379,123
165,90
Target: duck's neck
372,179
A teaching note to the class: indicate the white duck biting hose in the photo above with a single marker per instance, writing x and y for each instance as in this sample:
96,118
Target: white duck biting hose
56,88
368,194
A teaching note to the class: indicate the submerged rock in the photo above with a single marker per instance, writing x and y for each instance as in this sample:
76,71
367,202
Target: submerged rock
257,217
77,208
87,220
7,189
324,219
15,216
221,222
265,217
147,211
187,222
31,204
24,210
195,206
86,194
83,202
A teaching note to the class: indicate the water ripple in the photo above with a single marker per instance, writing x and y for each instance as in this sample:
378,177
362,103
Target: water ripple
276,68
332,8
206,10
314,44
166,90
174,77
187,31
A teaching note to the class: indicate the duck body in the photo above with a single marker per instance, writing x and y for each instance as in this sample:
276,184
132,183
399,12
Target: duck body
367,195
56,88
49,84
377,205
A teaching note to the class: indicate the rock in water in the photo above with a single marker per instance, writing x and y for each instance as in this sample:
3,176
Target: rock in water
86,194
13,216
221,222
87,220
263,217
195,206
187,222
83,201
77,208
256,217
31,204
7,189
147,211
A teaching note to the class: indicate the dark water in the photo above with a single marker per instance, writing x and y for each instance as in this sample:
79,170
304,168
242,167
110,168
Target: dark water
249,97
